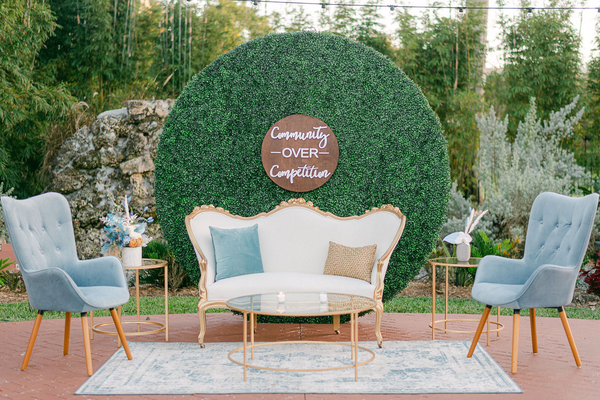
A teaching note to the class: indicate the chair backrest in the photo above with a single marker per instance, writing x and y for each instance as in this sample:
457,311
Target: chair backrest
41,231
559,229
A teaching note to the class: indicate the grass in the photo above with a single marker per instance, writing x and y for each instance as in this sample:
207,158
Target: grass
10,312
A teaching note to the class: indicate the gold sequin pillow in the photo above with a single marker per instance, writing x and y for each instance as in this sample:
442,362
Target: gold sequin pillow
353,262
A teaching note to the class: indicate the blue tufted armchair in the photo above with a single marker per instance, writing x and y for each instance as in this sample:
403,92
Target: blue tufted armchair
41,233
557,237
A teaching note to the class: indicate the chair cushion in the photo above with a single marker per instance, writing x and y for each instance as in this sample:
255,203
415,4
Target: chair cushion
237,251
353,262
287,282
102,297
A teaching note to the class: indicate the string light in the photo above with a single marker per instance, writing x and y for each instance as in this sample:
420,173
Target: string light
461,12
393,6
529,12
598,15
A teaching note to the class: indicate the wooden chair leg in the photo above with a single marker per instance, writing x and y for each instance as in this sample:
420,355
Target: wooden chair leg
34,332
255,323
484,317
533,330
563,318
67,332
515,341
117,322
86,343
336,324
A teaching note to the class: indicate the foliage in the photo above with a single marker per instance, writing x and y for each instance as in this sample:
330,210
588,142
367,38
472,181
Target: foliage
177,276
592,277
3,232
445,57
483,246
13,280
511,175
28,107
391,146
541,60
124,229
4,263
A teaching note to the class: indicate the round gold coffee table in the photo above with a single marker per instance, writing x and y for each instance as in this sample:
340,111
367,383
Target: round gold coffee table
453,262
147,263
301,305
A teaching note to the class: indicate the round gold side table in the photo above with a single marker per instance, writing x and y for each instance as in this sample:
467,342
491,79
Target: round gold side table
453,262
147,263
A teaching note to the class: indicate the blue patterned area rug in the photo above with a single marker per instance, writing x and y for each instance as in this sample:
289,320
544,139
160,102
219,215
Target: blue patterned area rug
400,367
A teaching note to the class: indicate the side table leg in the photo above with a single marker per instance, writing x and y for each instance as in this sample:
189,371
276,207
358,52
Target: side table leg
91,325
498,320
352,335
245,338
433,303
446,299
356,347
137,297
166,302
252,334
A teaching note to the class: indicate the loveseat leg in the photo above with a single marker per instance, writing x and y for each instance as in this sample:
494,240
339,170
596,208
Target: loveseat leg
378,318
336,324
202,318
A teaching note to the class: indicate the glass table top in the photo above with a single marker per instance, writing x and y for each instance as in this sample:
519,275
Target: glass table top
301,304
453,261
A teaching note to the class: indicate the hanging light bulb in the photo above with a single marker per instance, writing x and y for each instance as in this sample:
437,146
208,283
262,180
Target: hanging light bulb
598,15
323,5
529,12
392,8
461,12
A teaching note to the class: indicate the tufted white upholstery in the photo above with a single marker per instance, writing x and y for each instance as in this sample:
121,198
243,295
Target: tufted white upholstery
294,241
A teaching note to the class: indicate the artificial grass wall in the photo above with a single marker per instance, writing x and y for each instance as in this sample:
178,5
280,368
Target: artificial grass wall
391,147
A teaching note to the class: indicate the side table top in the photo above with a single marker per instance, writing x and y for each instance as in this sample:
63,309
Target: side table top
149,263
301,304
453,262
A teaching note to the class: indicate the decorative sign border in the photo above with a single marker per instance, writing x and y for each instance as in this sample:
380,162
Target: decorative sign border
300,153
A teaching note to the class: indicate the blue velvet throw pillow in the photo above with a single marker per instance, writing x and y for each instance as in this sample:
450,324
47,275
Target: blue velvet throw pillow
237,251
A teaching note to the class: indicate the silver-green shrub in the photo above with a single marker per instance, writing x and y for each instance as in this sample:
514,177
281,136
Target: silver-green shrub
511,175
3,232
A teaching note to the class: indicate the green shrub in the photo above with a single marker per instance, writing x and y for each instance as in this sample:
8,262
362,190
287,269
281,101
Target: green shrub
392,150
177,276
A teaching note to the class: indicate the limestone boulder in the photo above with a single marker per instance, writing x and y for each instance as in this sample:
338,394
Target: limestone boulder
101,163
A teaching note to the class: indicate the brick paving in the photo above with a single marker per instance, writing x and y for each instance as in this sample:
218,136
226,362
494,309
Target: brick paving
552,374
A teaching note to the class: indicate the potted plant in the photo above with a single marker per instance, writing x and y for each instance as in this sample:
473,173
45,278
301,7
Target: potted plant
125,232
463,240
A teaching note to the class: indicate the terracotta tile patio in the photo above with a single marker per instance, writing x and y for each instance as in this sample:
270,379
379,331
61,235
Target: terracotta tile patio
551,374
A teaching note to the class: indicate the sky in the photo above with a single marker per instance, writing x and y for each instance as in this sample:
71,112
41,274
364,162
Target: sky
583,20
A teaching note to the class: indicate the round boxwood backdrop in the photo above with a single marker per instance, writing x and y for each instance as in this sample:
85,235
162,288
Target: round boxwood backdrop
392,150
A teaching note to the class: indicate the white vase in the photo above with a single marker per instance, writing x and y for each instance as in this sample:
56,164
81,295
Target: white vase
463,252
132,256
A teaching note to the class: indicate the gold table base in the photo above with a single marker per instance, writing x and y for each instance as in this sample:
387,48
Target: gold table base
488,331
147,263
448,262
300,370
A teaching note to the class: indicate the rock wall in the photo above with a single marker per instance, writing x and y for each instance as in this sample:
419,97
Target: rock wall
102,162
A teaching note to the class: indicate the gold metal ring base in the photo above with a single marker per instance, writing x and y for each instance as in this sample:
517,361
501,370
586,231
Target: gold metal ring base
498,324
249,347
103,332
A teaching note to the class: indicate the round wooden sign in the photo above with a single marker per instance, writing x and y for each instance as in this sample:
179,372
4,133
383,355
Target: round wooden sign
300,153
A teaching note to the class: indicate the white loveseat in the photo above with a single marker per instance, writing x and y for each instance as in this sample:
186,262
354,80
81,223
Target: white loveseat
294,241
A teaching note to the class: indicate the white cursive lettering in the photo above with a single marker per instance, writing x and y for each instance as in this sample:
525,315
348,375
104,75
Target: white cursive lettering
302,172
297,135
